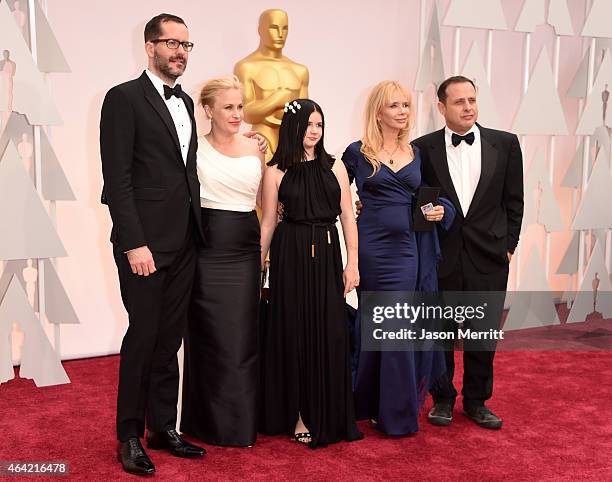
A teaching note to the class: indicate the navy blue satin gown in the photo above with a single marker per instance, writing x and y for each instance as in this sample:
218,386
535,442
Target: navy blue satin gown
390,387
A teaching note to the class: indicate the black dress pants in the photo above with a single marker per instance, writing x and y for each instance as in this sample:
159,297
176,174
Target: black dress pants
477,364
157,308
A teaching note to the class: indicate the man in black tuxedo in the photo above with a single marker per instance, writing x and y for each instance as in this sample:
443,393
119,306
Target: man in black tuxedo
148,145
480,170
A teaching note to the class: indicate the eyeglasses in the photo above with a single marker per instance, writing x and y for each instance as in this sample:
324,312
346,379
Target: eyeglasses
173,44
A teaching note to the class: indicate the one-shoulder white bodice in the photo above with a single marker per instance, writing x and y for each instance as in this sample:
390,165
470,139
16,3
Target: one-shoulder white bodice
228,183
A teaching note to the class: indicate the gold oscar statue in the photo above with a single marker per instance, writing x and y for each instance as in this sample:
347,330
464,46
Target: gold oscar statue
270,79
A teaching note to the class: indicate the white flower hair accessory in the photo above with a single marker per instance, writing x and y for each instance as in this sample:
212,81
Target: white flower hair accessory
292,106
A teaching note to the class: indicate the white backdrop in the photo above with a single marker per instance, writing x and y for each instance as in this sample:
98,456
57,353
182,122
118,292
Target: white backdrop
348,46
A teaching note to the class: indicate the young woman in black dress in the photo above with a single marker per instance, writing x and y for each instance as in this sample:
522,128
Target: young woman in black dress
306,374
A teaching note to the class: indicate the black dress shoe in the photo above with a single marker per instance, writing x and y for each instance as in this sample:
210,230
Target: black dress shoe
483,416
441,414
133,458
171,441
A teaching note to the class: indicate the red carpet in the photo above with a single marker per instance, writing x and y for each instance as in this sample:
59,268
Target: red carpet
557,426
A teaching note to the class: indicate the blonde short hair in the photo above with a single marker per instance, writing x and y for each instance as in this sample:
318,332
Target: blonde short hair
372,141
213,87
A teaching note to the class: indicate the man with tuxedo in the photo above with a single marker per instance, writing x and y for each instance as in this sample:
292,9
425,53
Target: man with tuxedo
480,171
148,145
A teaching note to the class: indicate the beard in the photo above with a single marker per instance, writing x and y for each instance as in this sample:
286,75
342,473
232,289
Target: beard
163,65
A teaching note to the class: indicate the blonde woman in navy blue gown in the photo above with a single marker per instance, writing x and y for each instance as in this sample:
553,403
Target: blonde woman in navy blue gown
220,375
390,387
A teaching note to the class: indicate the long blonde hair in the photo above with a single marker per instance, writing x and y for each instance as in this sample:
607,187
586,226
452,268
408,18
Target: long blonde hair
372,141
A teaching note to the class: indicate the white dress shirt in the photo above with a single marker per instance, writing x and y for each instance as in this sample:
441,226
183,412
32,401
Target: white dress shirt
179,114
464,165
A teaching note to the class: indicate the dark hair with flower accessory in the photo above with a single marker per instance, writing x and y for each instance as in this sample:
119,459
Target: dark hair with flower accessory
290,150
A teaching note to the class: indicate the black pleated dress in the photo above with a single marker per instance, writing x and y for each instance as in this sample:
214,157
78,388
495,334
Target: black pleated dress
305,360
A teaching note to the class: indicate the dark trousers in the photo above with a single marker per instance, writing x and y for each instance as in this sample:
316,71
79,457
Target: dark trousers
157,307
477,365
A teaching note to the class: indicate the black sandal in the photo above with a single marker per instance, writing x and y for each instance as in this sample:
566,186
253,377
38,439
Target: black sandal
302,438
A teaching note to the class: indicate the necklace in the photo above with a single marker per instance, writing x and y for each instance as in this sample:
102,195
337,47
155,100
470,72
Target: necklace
391,154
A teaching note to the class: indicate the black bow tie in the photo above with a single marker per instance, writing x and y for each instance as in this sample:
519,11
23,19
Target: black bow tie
173,91
456,139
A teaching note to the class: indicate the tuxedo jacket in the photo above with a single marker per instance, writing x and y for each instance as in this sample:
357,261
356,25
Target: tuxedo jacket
492,225
149,190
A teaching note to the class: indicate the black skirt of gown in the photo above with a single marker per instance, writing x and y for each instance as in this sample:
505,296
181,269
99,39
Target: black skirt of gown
220,374
305,360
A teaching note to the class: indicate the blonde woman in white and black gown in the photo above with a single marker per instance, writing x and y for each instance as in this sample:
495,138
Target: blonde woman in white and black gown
220,375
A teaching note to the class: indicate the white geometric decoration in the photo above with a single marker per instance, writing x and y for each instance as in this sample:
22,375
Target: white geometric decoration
531,186
50,55
598,22
58,308
601,44
538,170
534,178
20,269
534,275
433,119
30,95
573,175
569,294
533,304
595,292
593,212
600,235
598,102
6,360
549,213
27,231
534,14
530,216
25,149
55,186
16,126
579,88
39,360
569,262
474,69
559,17
20,15
431,68
486,14
538,188
540,112
601,139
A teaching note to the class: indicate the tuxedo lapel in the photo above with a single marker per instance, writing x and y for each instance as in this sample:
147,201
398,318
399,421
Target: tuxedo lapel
193,142
160,107
437,154
488,163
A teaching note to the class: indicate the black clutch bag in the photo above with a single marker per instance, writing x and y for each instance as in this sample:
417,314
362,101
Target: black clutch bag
426,195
